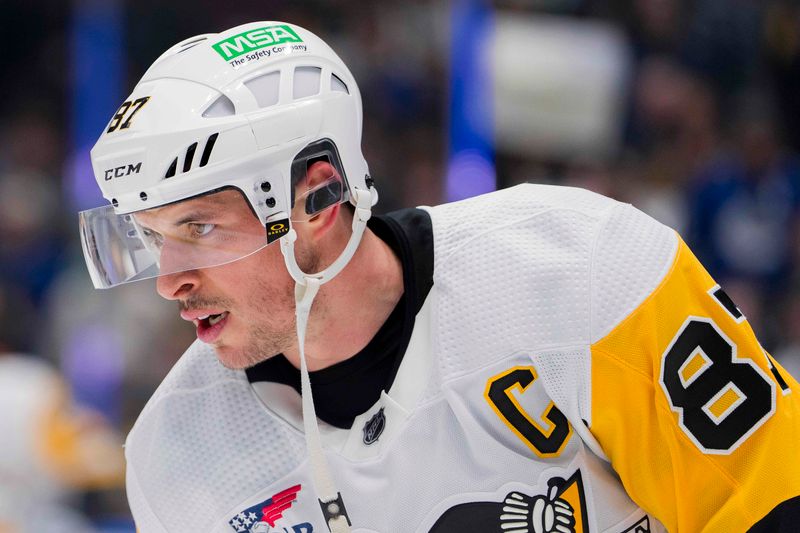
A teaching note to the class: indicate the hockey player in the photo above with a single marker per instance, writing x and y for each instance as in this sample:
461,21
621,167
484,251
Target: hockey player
51,450
540,359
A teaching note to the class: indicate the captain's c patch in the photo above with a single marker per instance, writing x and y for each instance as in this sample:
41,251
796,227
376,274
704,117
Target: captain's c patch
546,436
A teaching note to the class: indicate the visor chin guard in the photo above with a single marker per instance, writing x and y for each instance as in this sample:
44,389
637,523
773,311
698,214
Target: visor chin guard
363,212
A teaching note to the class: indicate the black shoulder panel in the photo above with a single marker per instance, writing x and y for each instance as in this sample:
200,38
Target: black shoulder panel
784,518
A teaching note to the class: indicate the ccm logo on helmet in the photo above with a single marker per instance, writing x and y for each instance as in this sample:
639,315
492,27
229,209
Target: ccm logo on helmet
124,170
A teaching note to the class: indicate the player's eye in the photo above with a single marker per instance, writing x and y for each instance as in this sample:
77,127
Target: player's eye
153,237
200,230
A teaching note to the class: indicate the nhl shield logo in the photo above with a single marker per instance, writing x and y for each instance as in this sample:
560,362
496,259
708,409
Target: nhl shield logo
374,427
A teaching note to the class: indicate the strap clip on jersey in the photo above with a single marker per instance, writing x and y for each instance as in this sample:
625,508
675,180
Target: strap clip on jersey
363,212
335,514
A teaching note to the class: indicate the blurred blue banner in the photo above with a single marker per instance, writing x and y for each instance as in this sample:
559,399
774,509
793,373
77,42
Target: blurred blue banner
470,169
96,70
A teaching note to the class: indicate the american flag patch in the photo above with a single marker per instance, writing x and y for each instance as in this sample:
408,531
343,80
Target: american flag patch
255,518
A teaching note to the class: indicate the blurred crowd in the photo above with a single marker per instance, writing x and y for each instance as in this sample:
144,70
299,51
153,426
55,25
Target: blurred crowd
711,133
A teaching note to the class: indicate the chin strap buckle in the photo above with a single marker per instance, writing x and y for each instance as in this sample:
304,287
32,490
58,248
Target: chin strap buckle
363,206
335,514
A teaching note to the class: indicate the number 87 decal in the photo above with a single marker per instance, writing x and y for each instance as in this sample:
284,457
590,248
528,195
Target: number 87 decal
720,399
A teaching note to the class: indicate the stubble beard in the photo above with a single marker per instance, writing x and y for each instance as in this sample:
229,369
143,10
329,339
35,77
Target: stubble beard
268,331
274,330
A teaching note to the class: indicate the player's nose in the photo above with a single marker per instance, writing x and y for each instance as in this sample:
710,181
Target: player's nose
177,285
178,279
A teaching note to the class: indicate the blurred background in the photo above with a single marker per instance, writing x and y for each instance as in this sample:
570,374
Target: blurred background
687,109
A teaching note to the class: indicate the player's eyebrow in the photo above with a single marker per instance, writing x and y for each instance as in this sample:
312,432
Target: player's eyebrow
197,214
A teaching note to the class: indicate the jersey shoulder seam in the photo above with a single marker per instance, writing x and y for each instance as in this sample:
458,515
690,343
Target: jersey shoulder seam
595,245
666,270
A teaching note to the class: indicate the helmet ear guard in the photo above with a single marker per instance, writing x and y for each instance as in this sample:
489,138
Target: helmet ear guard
317,197
323,196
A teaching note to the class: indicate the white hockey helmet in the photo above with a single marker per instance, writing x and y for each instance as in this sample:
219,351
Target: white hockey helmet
249,108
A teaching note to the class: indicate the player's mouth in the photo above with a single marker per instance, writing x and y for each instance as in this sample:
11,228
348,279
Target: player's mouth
209,325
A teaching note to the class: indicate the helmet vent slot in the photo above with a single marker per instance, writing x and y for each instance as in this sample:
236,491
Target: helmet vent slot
266,88
191,44
306,81
187,162
172,168
208,148
221,107
337,85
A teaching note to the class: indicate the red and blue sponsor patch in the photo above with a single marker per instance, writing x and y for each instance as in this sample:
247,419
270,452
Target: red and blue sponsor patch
261,518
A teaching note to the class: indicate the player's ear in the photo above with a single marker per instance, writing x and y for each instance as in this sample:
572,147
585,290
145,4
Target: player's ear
317,201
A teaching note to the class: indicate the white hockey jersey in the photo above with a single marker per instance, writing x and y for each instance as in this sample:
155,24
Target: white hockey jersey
573,369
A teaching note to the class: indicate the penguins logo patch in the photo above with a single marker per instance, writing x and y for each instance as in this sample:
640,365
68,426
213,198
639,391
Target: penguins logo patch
642,526
561,510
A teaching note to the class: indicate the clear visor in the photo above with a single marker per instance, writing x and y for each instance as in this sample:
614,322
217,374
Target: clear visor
201,232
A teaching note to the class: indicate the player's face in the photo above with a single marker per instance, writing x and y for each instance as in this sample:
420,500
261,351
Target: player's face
244,308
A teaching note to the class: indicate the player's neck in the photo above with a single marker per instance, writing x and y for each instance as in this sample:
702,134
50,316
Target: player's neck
351,308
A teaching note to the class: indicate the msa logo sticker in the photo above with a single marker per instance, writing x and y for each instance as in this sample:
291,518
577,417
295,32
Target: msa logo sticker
561,510
261,518
122,171
374,427
250,41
